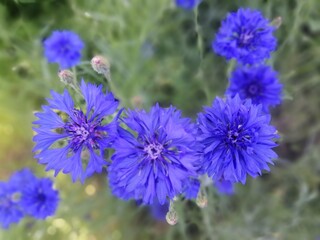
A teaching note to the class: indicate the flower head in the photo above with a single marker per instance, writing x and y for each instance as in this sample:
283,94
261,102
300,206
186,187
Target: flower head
10,211
259,83
187,4
237,138
246,36
155,156
63,47
39,199
71,140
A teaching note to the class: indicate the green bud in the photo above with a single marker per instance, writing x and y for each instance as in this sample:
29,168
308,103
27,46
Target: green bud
172,217
202,200
277,22
66,77
101,65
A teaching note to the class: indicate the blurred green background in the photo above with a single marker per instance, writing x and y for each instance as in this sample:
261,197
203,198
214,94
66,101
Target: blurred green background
160,53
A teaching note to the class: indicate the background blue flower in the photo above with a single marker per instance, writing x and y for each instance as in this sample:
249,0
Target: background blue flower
25,194
187,4
246,36
63,47
10,211
258,83
237,139
77,132
155,156
39,199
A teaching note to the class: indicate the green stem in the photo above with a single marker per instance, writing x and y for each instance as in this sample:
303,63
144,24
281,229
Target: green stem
75,84
206,88
199,37
206,220
113,87
182,222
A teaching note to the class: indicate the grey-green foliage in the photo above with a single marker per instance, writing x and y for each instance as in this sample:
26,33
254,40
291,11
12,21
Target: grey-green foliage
160,53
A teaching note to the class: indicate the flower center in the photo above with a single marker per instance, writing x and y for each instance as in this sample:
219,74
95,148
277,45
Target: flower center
41,197
153,150
82,131
253,89
233,136
237,136
245,38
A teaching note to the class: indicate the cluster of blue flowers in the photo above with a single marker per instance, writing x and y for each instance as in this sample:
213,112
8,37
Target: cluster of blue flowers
158,155
25,194
247,37
236,132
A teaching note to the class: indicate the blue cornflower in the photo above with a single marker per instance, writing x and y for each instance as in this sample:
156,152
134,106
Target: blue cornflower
155,156
224,187
246,36
10,210
187,4
63,47
237,138
259,83
39,199
73,141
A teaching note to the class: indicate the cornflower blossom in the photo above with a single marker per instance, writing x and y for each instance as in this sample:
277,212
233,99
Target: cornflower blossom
39,199
237,139
25,194
63,47
245,35
73,140
258,83
155,154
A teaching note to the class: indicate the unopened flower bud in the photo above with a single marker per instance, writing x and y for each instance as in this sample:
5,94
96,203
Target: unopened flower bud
66,76
202,200
172,217
101,65
277,22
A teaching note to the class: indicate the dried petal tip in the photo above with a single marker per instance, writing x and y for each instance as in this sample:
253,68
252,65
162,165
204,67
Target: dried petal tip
202,200
66,76
100,64
172,217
